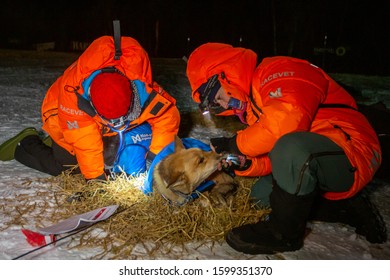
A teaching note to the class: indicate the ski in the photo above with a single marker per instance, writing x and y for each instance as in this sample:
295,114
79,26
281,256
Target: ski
50,235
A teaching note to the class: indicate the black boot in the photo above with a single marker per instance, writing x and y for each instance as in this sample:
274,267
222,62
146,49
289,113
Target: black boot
283,231
357,211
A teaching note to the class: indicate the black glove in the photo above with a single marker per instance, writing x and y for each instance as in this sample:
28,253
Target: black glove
238,162
101,177
225,144
80,196
110,174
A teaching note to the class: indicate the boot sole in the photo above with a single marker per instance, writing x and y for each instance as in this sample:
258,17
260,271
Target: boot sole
255,249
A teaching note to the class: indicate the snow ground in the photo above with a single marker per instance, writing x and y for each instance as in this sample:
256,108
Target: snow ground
24,78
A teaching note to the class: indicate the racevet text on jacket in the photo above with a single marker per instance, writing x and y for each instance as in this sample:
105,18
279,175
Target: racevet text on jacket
277,75
71,111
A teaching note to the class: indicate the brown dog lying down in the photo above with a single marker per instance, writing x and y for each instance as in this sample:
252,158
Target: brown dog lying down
177,175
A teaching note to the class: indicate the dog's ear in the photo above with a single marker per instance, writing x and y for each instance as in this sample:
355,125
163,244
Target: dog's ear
178,144
174,177
180,184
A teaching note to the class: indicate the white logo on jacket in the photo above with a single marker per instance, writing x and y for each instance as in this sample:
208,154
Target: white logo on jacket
141,137
72,125
275,94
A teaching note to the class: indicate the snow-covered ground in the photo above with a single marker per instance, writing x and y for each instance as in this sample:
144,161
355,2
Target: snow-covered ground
24,78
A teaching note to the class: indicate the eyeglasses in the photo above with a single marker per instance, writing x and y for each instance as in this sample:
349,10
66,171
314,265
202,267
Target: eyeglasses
117,124
207,94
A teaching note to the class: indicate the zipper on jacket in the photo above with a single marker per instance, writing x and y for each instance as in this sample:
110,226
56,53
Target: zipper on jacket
254,106
343,131
307,163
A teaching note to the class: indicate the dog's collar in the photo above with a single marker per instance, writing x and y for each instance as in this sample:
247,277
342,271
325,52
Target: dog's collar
192,196
168,194
185,199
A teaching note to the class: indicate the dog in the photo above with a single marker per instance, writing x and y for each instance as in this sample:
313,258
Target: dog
180,173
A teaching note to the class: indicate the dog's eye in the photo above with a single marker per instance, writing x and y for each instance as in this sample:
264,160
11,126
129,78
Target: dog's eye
201,160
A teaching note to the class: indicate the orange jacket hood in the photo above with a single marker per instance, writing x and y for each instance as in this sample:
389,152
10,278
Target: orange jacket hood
237,64
134,61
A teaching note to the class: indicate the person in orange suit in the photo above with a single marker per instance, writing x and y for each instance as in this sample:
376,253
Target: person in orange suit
95,108
312,149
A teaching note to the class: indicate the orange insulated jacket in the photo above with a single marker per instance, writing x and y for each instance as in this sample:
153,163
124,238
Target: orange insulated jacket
79,132
288,95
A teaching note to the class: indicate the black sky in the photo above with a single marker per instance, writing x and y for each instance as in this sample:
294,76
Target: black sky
269,27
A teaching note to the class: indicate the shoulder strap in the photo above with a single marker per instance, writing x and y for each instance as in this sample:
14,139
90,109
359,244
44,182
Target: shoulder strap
117,39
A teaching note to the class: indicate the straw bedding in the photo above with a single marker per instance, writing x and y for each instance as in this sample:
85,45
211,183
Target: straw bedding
140,219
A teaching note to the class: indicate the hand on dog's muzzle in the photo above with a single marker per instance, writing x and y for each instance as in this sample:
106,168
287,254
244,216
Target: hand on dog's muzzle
235,162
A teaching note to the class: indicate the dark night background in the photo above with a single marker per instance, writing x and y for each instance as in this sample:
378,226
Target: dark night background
340,36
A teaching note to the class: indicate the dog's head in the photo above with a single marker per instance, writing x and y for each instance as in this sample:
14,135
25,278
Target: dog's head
180,173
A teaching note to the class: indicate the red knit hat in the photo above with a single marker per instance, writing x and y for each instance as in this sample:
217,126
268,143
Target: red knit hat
111,95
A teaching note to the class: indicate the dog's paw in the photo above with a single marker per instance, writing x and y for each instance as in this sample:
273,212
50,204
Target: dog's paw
222,195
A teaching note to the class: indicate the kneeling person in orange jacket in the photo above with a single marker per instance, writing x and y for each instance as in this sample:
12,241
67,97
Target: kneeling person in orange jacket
89,109
312,148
